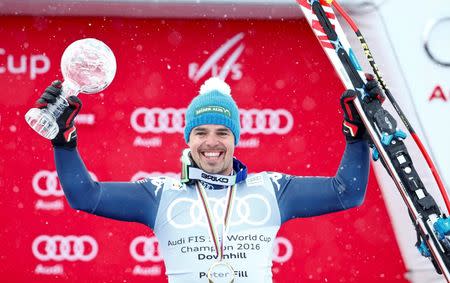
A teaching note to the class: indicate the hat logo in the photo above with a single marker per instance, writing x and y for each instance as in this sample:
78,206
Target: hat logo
212,109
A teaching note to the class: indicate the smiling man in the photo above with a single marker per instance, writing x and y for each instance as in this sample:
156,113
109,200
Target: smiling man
212,148
213,128
216,224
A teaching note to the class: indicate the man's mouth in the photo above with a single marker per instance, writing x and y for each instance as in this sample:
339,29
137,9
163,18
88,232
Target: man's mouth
212,155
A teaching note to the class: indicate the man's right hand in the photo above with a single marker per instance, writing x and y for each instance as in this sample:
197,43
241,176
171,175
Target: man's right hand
67,135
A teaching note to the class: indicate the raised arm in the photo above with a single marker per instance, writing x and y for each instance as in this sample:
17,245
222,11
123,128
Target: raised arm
125,201
122,201
312,196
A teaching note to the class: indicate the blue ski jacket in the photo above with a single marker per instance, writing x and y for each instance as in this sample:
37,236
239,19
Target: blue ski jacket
263,202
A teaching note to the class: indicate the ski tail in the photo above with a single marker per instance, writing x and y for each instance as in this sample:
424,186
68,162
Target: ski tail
432,226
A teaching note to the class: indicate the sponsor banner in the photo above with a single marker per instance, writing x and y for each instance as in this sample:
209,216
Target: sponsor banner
170,120
57,248
133,131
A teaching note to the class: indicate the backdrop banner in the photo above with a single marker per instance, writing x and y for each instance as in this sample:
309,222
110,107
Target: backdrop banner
291,123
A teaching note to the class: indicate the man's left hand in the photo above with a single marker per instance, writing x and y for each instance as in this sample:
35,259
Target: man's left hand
352,126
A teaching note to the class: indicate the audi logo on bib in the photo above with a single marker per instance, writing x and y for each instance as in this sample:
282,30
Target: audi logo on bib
171,120
145,249
242,205
59,248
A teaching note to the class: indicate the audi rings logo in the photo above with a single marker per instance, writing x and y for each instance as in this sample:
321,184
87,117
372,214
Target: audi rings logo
158,120
171,120
282,250
70,248
242,213
436,41
145,249
45,183
266,121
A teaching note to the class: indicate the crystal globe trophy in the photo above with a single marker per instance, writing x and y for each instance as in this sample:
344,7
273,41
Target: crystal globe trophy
88,66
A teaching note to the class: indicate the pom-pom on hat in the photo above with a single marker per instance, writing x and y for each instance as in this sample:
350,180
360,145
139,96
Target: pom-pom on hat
214,105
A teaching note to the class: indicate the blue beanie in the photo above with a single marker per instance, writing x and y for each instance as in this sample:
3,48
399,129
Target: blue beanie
214,105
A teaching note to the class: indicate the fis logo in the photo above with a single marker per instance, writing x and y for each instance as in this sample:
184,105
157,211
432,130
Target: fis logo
196,72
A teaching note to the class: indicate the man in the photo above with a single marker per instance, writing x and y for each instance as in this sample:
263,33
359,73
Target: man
216,224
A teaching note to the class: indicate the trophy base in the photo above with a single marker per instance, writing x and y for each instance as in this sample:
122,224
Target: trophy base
42,122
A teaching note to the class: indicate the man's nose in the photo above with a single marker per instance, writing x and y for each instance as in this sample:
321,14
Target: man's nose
212,140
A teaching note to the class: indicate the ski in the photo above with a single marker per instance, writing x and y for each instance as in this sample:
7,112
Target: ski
391,98
431,224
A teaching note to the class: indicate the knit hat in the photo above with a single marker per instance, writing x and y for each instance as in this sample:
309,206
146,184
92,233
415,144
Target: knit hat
214,105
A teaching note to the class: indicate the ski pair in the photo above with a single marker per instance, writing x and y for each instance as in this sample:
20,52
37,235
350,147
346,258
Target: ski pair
431,224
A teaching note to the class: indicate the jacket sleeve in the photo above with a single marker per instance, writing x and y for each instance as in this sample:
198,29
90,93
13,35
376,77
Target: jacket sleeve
126,201
312,196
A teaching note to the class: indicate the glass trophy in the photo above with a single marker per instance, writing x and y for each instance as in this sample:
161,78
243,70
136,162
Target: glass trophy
88,66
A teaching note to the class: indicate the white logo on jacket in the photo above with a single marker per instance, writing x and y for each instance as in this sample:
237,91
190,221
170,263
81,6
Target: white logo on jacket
252,209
